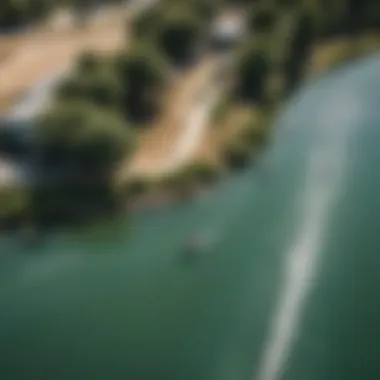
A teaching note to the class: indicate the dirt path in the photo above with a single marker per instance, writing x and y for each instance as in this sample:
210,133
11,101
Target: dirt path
27,59
164,143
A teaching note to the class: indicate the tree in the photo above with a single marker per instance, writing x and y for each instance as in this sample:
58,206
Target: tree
287,3
101,88
141,66
363,14
201,9
203,172
10,143
102,142
13,13
245,3
80,146
89,62
4,138
262,19
237,155
255,133
83,137
142,72
299,47
16,13
179,37
205,10
252,73
128,83
40,8
14,203
146,24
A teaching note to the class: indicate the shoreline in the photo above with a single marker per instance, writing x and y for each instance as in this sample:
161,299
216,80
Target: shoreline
153,201
158,201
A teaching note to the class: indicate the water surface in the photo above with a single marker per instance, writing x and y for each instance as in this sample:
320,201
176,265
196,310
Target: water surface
288,290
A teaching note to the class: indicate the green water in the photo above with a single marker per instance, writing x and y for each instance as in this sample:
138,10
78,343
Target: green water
288,289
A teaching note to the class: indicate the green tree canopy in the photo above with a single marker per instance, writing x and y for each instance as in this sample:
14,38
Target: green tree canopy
262,19
151,22
300,43
101,88
84,136
148,22
142,72
179,36
14,13
252,73
141,66
90,62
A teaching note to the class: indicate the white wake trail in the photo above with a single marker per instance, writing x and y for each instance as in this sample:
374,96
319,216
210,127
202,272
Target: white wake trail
325,170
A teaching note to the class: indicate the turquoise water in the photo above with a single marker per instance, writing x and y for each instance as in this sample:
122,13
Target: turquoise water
287,290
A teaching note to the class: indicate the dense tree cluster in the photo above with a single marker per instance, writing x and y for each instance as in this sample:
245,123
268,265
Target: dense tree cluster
176,27
15,13
78,149
142,73
252,73
311,22
261,19
127,83
86,138
179,36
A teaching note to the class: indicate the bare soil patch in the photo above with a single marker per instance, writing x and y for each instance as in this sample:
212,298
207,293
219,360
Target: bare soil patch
159,139
27,59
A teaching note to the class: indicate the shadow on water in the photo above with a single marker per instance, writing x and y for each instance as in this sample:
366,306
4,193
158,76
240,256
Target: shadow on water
36,240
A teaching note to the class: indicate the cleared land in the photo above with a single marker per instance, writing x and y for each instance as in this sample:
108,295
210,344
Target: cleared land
27,59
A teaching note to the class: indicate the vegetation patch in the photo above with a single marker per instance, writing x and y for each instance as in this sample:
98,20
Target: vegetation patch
204,173
237,154
15,203
136,187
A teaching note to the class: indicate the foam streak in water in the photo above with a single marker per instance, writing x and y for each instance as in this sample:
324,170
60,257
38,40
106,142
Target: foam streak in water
324,169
